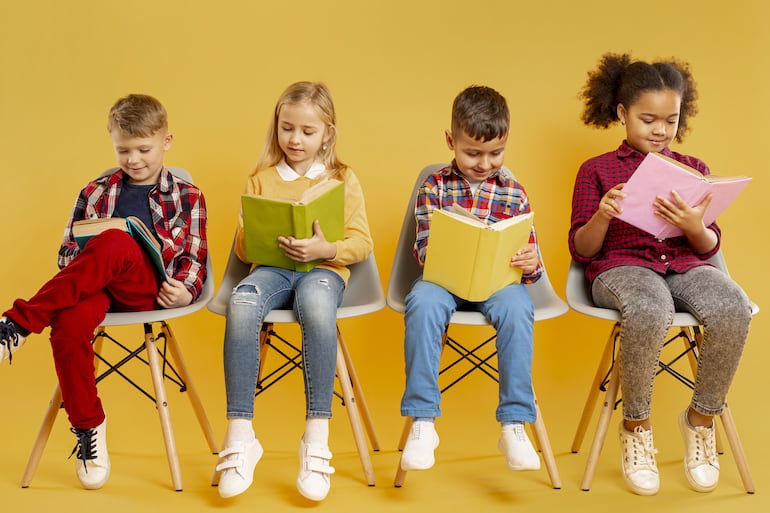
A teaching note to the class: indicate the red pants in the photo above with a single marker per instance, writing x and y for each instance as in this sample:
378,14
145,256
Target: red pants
112,272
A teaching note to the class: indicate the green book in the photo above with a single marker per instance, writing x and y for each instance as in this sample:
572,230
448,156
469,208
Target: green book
265,219
84,229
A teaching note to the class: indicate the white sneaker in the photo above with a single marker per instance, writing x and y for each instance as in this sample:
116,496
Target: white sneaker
92,464
518,450
637,458
10,339
236,463
701,463
313,481
418,451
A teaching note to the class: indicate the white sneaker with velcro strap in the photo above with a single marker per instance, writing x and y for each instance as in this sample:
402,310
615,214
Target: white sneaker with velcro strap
313,481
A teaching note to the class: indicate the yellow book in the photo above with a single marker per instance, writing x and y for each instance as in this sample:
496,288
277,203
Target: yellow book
470,258
265,219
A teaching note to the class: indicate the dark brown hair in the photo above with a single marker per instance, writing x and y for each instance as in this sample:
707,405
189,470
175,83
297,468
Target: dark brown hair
480,112
620,80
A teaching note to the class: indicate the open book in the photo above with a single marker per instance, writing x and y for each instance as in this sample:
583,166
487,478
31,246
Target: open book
658,175
84,229
470,258
264,219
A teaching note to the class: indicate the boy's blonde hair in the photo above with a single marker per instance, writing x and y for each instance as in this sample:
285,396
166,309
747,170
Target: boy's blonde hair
138,115
317,95
480,112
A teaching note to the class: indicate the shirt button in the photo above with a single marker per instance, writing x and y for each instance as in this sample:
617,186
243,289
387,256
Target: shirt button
662,257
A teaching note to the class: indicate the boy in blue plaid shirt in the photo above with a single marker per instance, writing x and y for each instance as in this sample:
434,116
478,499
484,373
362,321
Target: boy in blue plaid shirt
476,181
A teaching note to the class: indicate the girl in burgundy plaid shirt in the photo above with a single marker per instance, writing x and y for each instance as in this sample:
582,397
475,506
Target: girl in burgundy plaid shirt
648,279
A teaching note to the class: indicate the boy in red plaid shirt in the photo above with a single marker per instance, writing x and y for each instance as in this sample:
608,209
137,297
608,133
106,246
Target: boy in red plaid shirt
112,272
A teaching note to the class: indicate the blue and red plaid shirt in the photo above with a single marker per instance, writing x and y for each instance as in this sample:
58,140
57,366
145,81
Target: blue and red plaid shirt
498,197
625,244
179,217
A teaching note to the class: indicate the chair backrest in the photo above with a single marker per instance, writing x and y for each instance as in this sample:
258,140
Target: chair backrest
579,296
164,314
405,270
362,295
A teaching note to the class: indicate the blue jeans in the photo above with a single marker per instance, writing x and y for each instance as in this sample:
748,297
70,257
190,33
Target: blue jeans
647,302
428,310
314,297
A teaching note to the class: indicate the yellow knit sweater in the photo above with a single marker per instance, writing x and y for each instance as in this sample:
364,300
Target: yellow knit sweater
357,244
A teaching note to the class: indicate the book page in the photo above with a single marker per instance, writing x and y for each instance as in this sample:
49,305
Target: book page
463,215
94,226
317,190
505,223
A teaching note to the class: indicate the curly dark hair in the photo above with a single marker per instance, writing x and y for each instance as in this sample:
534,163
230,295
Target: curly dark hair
620,80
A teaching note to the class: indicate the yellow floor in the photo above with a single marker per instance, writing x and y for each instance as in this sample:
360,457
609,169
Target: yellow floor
469,473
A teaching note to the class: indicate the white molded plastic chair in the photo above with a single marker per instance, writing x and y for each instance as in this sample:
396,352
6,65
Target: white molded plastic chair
162,366
363,295
607,378
405,270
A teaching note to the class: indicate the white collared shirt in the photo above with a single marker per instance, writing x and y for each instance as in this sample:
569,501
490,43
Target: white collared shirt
289,175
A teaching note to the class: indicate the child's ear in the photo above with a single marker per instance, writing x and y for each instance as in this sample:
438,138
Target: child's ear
621,112
450,141
331,131
167,141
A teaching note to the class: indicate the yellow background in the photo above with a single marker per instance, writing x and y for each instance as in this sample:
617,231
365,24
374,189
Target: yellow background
393,69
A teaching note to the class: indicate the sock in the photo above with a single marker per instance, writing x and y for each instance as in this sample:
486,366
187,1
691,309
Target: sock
239,430
425,419
317,431
509,424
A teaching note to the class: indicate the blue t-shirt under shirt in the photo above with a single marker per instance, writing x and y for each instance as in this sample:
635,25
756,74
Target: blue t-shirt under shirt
134,201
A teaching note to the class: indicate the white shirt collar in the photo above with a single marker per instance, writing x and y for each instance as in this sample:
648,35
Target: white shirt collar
289,175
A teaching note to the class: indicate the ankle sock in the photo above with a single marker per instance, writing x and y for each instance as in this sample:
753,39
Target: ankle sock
317,430
239,429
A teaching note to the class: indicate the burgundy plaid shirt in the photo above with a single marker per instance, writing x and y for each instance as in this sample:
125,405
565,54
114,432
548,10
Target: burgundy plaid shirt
625,244
179,214
499,197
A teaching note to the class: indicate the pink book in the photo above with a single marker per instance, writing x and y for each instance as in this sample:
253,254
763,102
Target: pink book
658,175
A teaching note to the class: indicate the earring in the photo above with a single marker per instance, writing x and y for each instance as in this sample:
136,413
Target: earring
622,123
324,146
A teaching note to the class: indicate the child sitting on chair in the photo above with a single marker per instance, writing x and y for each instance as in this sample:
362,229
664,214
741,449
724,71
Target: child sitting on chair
476,181
112,272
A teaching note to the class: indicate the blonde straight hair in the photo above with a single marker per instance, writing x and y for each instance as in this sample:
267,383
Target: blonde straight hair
317,95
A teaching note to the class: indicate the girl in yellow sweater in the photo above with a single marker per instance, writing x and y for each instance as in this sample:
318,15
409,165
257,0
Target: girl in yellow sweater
298,154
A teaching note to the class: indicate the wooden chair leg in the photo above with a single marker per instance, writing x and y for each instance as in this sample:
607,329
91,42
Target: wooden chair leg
355,418
359,394
593,394
737,448
192,392
601,429
156,371
545,447
42,437
401,473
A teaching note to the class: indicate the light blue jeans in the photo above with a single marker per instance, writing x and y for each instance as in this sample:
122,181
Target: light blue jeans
428,310
314,297
647,302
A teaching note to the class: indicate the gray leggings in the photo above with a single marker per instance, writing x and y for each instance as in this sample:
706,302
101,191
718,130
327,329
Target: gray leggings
647,301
